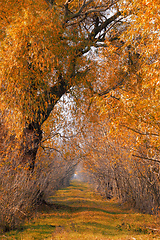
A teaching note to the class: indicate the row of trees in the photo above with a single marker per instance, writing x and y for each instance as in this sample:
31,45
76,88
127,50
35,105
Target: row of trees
79,83
122,166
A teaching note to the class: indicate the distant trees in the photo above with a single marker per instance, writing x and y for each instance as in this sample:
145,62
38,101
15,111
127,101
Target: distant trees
124,147
115,171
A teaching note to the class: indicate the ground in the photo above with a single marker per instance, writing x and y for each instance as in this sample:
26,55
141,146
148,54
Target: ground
77,212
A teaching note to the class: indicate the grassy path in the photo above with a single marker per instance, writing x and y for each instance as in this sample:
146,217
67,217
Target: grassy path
78,213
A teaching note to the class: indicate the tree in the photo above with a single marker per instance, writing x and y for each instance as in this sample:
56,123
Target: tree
44,56
101,55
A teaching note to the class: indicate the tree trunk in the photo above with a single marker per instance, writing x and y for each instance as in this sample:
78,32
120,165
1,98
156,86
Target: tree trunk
32,136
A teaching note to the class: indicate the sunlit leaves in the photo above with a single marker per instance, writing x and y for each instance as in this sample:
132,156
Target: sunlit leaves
31,52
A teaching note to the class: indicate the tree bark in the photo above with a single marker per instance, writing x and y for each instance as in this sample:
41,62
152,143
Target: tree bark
31,139
32,134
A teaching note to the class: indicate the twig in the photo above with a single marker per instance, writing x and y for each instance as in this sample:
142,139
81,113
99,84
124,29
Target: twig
150,159
141,133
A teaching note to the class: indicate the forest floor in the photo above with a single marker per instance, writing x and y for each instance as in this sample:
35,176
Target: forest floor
77,212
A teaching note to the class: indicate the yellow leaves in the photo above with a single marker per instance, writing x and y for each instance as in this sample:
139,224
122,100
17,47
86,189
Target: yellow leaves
28,52
144,26
36,49
137,105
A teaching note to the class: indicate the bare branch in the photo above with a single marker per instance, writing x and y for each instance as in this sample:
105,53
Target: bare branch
141,133
75,15
108,29
114,87
145,158
99,28
51,148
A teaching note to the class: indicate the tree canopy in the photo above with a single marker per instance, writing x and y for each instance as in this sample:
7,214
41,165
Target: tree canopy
45,46
80,81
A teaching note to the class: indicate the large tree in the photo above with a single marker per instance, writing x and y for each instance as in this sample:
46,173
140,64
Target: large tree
44,56
47,52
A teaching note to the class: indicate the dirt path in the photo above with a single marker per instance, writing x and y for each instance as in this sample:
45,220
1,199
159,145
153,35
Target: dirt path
78,213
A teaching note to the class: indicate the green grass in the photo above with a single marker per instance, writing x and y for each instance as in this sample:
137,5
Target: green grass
78,213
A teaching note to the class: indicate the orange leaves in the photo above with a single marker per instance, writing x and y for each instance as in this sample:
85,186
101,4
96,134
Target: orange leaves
38,52
28,53
143,34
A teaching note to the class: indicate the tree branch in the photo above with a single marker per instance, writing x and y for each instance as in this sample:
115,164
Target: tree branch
52,96
114,87
103,26
145,158
141,133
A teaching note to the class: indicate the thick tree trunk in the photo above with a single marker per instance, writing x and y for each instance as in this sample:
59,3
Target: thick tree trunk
32,137
32,134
